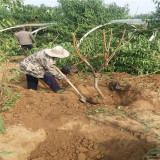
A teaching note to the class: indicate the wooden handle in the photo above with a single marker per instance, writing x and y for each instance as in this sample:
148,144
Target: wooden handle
70,83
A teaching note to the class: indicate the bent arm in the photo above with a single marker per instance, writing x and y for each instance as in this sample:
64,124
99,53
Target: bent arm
16,37
32,38
50,68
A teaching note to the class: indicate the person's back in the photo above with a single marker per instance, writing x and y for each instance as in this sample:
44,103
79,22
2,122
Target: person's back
25,39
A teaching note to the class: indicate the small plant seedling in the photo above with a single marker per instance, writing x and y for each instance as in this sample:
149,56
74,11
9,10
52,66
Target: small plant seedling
6,152
147,84
101,153
2,128
97,121
99,144
14,76
99,110
81,74
124,84
158,137
9,98
97,97
153,153
158,90
122,129
119,107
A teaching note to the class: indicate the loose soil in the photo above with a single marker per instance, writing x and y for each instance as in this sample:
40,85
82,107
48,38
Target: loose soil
44,125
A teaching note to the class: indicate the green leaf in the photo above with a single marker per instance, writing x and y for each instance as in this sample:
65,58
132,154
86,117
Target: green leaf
6,152
153,153
2,129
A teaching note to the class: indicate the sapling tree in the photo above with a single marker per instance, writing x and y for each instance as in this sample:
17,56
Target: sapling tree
107,58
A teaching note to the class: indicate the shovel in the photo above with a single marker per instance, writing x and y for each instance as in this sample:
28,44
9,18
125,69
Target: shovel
82,98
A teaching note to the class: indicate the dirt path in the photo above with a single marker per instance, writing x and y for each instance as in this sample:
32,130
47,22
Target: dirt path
48,126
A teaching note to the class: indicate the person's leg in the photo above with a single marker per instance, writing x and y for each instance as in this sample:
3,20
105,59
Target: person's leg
30,46
32,82
51,82
24,48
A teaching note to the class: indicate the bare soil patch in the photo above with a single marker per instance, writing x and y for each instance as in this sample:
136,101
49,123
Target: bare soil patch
44,125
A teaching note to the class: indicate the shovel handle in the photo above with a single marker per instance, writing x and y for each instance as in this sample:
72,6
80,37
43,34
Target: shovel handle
70,83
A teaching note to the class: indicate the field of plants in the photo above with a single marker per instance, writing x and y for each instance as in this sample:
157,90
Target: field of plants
118,75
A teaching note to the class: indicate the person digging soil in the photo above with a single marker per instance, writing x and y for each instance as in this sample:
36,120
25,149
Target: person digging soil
41,65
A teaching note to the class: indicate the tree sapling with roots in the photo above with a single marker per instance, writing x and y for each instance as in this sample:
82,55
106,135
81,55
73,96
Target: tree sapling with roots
107,58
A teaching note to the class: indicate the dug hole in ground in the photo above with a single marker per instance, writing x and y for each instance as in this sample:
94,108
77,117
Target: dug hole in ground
44,125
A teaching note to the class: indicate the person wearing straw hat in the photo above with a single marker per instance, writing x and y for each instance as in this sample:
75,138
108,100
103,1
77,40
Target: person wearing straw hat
41,65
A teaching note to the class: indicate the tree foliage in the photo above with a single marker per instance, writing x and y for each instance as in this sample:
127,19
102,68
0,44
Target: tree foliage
78,17
155,17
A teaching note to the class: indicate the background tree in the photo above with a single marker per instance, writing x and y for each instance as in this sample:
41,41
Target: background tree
79,17
155,18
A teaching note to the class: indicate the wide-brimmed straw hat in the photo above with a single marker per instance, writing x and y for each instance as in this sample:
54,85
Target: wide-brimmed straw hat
57,51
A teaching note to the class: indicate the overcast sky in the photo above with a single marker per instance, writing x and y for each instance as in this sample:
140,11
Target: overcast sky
135,6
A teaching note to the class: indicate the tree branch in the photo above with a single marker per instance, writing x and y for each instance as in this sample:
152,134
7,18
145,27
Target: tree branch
113,54
25,25
80,56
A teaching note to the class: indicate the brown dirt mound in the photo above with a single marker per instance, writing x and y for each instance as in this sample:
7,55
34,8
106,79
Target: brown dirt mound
124,126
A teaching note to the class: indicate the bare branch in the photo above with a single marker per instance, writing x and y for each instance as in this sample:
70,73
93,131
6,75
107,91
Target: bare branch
104,39
80,56
106,54
35,31
109,42
153,56
113,54
106,50
25,25
98,55
93,29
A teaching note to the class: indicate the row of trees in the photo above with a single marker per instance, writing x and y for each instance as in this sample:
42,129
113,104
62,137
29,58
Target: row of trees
78,17
73,15
77,11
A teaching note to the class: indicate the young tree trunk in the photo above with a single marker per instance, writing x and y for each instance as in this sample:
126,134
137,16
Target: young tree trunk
96,80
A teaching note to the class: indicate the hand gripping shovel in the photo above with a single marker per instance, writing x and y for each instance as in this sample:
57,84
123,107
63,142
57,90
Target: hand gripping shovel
82,98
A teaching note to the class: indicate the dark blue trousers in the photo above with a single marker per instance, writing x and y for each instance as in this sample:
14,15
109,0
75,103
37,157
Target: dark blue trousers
25,47
32,82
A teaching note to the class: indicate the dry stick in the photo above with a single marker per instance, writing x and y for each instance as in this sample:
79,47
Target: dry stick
127,41
109,42
113,54
107,50
35,31
76,48
153,56
104,39
95,74
106,53
100,54
107,60
25,25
